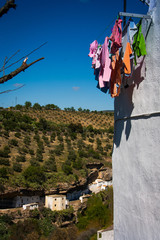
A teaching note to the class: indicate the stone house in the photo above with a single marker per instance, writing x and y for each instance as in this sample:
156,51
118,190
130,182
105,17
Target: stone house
56,202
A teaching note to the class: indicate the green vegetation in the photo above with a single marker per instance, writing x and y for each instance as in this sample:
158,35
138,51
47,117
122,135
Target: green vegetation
41,224
59,143
99,211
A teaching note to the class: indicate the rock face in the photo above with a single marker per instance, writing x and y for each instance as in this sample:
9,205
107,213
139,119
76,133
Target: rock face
105,174
61,188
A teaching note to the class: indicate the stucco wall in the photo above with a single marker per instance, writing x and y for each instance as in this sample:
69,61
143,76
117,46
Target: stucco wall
55,202
136,154
19,201
105,235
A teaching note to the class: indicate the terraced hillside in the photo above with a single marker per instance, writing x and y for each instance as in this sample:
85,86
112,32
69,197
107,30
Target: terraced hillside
40,148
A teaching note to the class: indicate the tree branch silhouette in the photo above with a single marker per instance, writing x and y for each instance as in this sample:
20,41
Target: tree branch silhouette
9,4
17,71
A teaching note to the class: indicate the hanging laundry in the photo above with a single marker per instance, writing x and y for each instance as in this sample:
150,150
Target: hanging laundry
132,29
127,59
116,81
139,46
105,69
93,48
116,36
98,57
92,53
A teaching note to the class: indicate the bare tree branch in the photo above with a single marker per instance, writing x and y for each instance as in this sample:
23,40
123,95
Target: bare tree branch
23,56
17,71
9,4
7,91
4,65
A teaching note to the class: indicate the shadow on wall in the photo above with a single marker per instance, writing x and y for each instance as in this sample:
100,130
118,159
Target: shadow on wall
124,103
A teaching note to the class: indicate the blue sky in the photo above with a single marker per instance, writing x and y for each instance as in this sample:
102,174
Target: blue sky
65,76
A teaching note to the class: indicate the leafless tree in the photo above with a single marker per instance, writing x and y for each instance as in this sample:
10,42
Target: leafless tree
3,10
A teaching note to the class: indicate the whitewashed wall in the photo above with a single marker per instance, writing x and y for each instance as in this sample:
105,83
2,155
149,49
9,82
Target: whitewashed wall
136,154
19,201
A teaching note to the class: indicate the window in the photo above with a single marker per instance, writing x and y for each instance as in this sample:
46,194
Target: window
100,235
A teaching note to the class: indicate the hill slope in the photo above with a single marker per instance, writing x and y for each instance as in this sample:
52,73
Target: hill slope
39,149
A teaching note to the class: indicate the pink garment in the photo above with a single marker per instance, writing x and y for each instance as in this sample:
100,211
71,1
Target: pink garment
116,36
98,57
93,49
105,70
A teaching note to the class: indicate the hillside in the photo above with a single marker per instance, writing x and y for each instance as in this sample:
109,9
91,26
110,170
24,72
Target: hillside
41,148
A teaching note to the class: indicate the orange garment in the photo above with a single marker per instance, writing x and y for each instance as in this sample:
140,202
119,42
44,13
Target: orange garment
116,81
126,59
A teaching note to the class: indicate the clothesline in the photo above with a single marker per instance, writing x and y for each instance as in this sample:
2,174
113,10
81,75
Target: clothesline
105,28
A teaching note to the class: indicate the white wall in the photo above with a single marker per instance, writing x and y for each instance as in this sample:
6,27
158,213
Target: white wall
19,201
55,202
105,235
136,161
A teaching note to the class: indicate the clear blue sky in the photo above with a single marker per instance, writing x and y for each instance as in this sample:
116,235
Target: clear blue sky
65,76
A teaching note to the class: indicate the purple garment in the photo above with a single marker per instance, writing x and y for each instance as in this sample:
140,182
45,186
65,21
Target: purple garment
105,69
93,49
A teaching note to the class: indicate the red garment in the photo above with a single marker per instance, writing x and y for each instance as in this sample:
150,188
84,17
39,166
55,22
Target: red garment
115,82
116,36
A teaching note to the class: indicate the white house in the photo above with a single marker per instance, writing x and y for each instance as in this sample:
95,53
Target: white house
99,185
56,202
19,201
105,235
30,206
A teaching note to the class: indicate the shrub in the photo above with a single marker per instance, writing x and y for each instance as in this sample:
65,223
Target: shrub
5,152
53,136
59,149
34,162
28,104
3,172
72,156
13,142
67,169
110,130
50,164
4,161
31,151
17,134
20,158
17,167
27,140
39,155
21,230
34,175
78,164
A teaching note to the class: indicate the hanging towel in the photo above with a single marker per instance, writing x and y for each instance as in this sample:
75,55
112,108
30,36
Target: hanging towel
139,46
126,59
115,82
105,69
